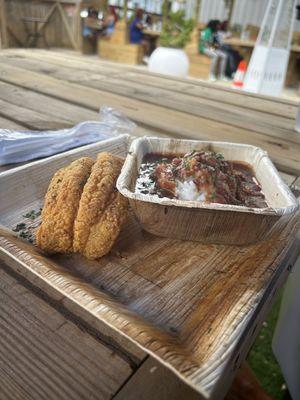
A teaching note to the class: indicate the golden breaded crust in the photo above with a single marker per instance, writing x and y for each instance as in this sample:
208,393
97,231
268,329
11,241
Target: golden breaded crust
98,192
103,234
55,234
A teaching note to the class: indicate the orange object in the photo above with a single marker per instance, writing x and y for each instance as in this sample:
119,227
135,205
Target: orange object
239,76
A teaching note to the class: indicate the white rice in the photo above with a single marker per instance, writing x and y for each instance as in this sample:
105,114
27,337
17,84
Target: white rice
187,190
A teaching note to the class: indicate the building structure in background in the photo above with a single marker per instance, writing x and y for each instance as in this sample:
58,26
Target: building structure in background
245,12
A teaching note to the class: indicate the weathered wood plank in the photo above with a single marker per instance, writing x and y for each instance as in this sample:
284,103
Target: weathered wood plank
46,21
164,120
184,308
50,108
73,57
154,381
275,126
3,26
254,324
66,25
74,62
9,124
29,118
49,357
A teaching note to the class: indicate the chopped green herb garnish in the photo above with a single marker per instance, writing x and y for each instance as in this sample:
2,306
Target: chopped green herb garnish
19,227
33,214
24,231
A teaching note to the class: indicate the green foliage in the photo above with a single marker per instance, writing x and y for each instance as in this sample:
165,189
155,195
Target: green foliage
262,360
177,30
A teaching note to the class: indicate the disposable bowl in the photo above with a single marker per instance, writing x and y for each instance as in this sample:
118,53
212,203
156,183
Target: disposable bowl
199,221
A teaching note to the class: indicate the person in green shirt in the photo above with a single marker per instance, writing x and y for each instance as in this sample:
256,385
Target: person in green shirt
207,46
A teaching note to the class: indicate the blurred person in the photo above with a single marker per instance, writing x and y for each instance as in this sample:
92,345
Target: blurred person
136,35
234,57
110,21
136,27
148,21
91,25
209,47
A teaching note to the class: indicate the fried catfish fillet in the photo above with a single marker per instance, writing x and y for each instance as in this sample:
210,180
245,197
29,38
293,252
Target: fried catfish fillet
102,209
55,234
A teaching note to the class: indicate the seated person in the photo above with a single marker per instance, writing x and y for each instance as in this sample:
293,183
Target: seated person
136,35
109,22
234,57
208,47
91,25
136,27
148,21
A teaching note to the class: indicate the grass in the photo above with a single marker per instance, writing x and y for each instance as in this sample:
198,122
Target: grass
262,360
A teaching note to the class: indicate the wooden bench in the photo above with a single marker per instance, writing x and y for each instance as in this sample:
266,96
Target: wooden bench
89,46
199,63
116,48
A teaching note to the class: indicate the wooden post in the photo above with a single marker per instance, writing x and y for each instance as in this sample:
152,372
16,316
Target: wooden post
104,6
165,11
231,7
66,25
125,8
78,35
197,11
3,26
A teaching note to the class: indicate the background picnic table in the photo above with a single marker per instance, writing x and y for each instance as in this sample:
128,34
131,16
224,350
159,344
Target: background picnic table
48,90
43,89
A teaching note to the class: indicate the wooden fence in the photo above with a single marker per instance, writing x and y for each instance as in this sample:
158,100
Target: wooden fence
62,26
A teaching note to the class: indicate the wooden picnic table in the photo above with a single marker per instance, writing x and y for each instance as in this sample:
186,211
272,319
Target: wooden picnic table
152,32
233,41
246,47
58,337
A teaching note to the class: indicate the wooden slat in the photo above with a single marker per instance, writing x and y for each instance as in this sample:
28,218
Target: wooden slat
46,355
9,124
63,112
155,381
278,106
58,53
3,26
66,25
164,120
275,126
29,118
47,18
51,109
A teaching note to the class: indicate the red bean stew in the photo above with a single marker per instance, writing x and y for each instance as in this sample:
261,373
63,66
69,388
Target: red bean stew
203,176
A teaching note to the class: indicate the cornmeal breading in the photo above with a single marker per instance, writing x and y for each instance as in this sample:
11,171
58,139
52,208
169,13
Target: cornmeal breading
102,234
99,216
55,235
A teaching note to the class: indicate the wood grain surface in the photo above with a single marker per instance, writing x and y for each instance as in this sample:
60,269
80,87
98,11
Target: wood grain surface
59,22
189,305
195,309
174,107
47,356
